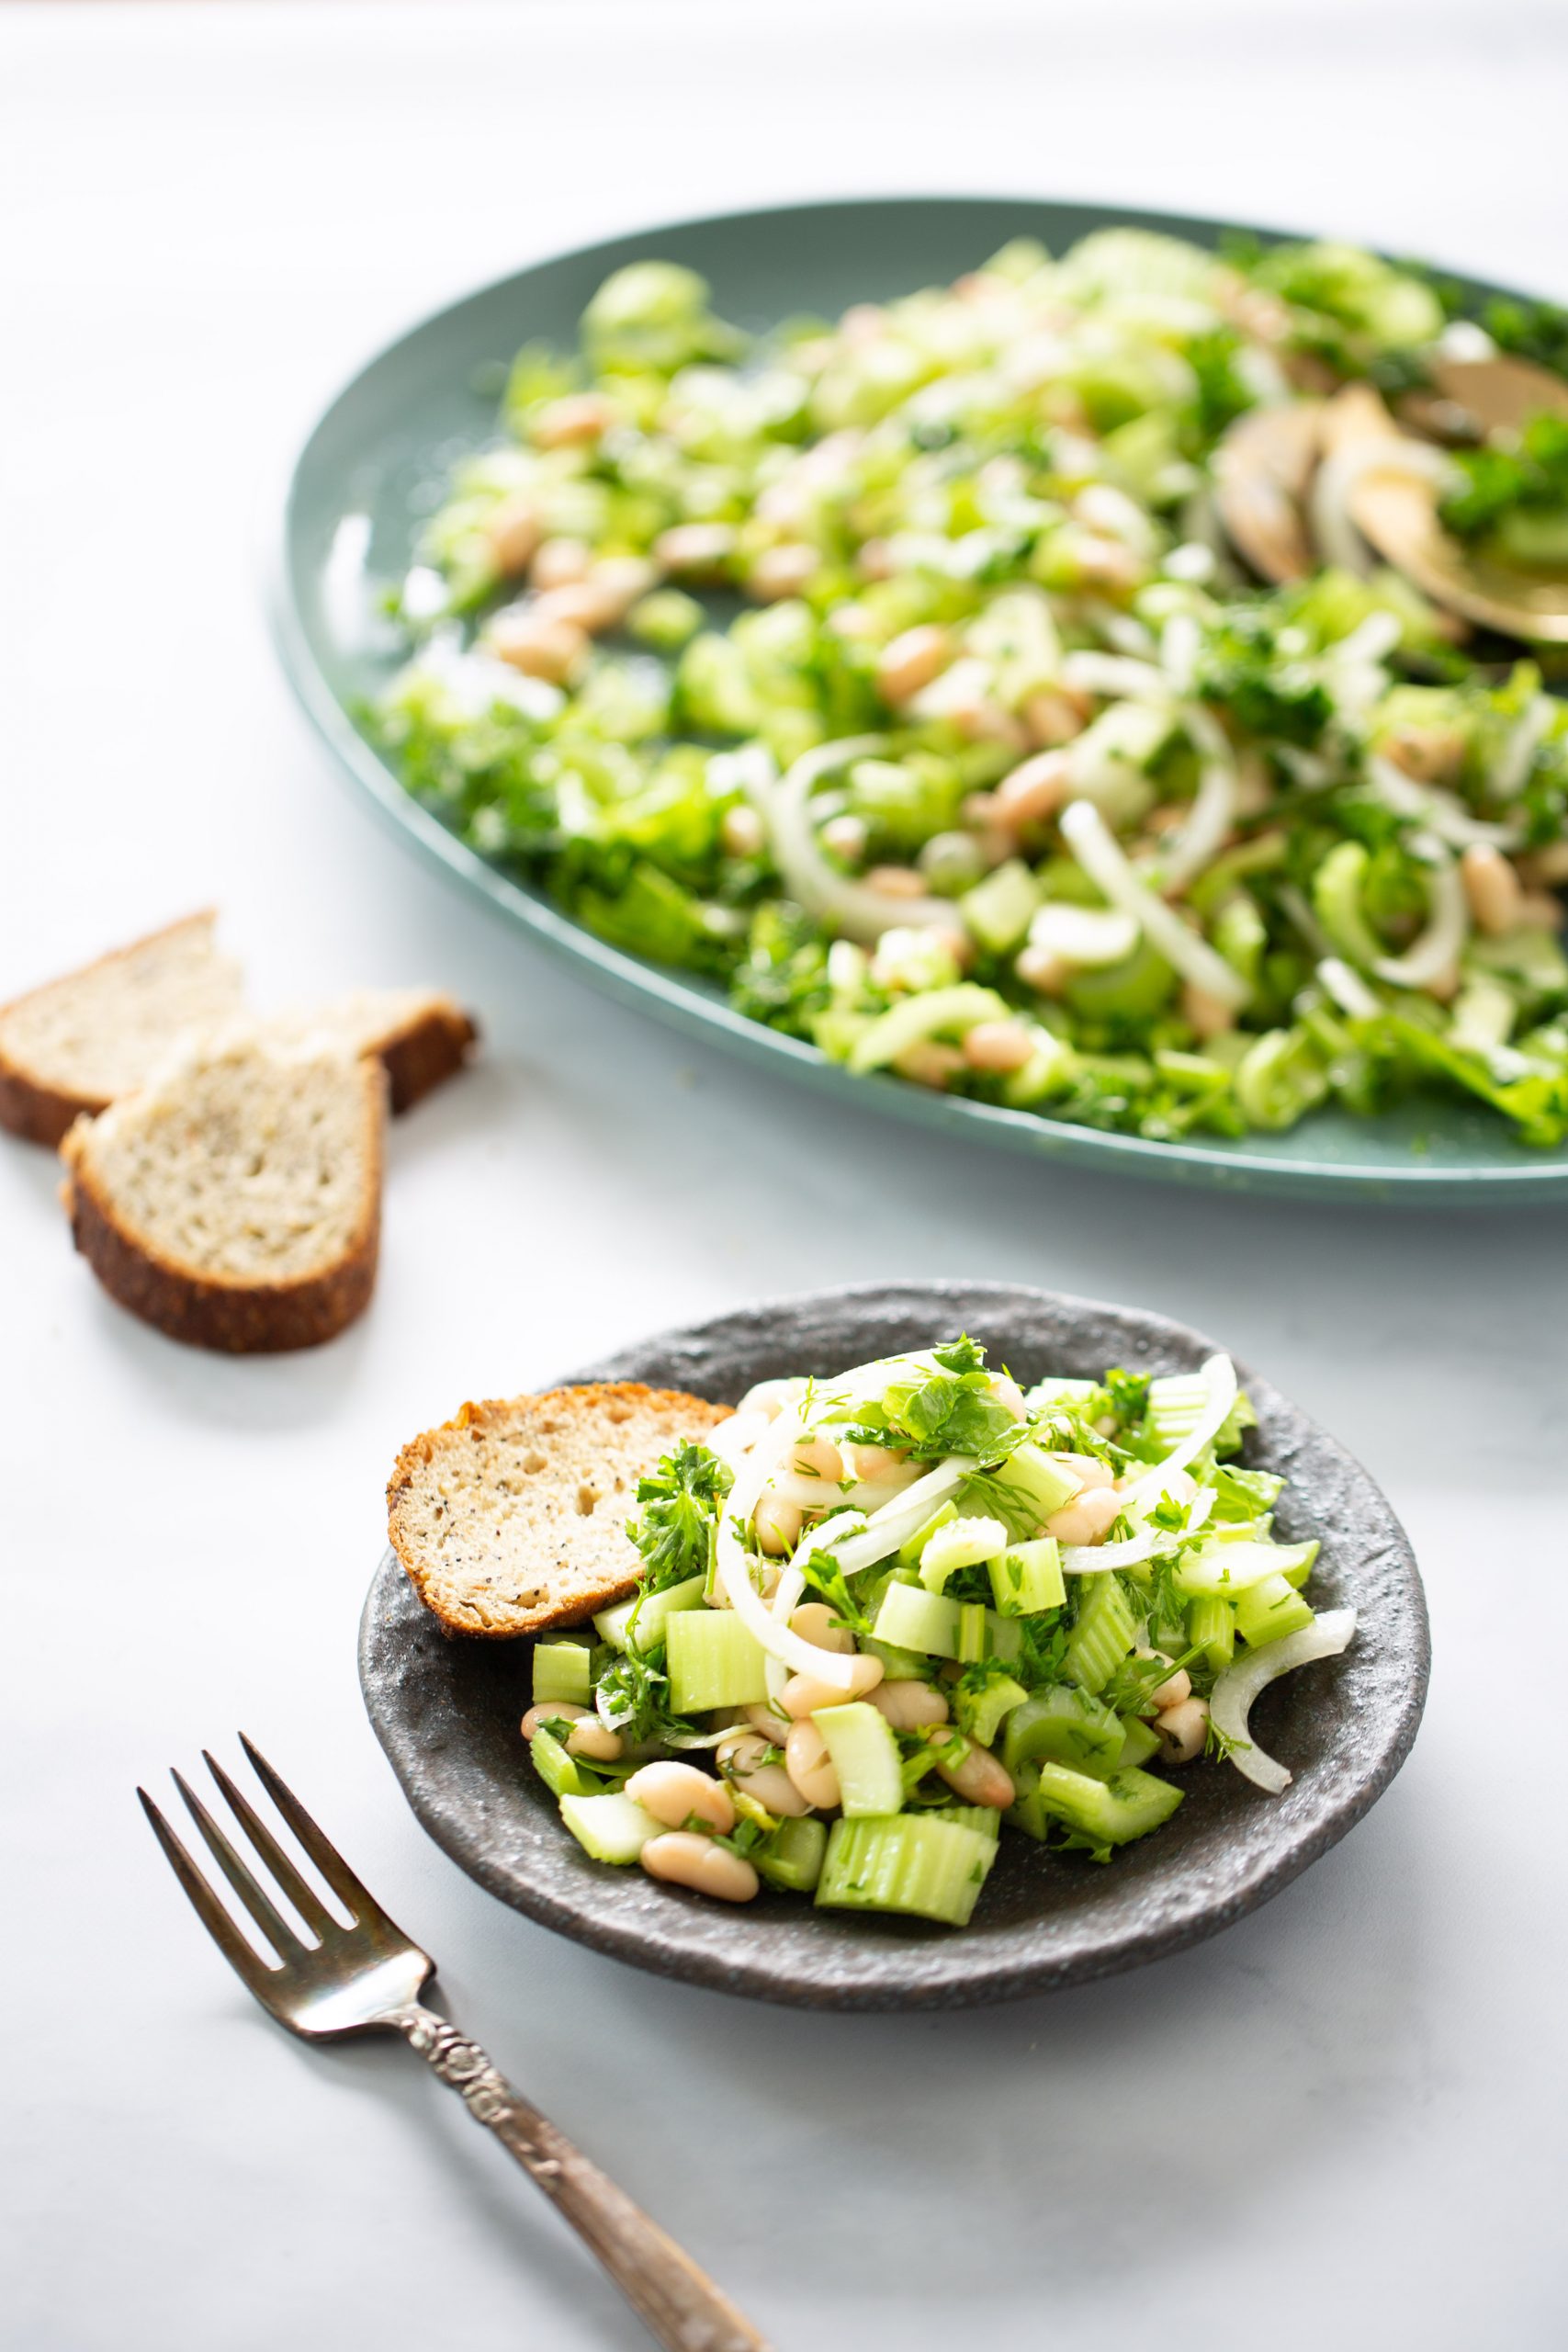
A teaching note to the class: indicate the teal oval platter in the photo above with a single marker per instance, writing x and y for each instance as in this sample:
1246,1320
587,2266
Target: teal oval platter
356,500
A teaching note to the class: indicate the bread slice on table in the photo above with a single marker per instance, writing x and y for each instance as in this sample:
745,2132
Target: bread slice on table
80,1043
511,1518
419,1035
234,1201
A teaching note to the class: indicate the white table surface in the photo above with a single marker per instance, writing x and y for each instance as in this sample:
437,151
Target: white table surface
1343,2119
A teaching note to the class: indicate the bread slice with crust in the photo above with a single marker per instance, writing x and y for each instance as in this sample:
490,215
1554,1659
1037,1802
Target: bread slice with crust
234,1200
511,1518
419,1035
79,1043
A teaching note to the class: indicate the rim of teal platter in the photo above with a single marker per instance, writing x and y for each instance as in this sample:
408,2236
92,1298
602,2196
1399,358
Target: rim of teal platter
1514,1179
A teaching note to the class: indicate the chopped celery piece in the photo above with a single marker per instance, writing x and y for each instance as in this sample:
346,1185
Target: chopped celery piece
999,909
1026,1811
910,1553
1064,1725
898,1664
969,1817
791,1856
1129,1804
1029,1578
1269,1610
612,1829
972,1642
1176,1405
940,1012
561,1773
1228,1568
562,1670
1104,1633
1211,1628
912,1618
980,1714
864,1755
613,1625
1140,1741
1061,1390
962,1543
1031,1482
905,1861
713,1660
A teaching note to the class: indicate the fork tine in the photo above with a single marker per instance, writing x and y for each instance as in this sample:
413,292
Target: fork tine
303,1896
322,1852
246,1963
273,1927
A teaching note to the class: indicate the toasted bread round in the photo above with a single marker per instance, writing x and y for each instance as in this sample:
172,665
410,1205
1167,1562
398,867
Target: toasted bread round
419,1035
235,1200
511,1518
79,1043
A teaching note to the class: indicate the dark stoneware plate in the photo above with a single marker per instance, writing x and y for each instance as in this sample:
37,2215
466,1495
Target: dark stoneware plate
365,476
446,1712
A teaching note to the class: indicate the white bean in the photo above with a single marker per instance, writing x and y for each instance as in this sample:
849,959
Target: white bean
818,1457
561,561
782,571
1087,1518
1034,791
741,831
1492,888
803,1694
696,551
1173,1690
674,1792
809,1766
1089,1468
1183,1730
816,1623
997,1045
740,1759
539,647
911,661
686,1859
777,1523
577,417
770,1723
1042,969
909,1705
606,596
512,530
930,1063
588,1736
978,1778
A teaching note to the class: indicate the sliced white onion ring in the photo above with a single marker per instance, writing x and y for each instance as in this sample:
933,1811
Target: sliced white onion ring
894,1524
1100,855
1213,812
735,1564
1437,951
1348,989
851,908
1086,1559
1443,813
1239,1685
1220,1373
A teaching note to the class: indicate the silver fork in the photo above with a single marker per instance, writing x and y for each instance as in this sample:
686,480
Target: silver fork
367,1978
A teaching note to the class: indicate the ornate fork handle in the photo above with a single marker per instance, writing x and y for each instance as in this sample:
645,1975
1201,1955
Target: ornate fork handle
684,2308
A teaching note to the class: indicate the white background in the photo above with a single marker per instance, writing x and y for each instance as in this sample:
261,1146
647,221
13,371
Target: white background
1340,2120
